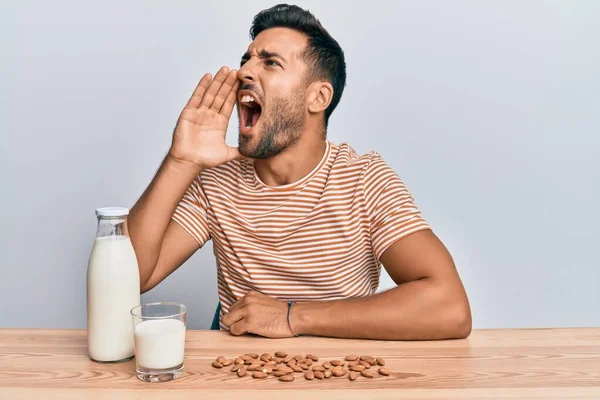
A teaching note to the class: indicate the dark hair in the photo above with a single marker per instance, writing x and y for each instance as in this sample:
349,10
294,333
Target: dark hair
323,54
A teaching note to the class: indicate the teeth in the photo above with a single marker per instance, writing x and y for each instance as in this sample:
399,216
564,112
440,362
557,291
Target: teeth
247,99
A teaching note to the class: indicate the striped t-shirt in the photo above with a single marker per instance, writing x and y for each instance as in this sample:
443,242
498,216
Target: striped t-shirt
319,238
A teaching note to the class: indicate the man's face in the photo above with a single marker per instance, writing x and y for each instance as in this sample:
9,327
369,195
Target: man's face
271,97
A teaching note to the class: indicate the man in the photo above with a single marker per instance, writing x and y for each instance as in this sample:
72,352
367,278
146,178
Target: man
300,226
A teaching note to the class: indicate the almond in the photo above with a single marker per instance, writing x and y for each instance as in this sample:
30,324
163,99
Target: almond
367,374
254,367
282,365
286,378
236,367
357,368
285,368
259,375
247,359
267,370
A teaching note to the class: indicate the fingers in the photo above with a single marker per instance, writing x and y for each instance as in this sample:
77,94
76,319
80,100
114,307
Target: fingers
229,104
219,93
239,328
232,317
225,90
237,304
213,88
196,98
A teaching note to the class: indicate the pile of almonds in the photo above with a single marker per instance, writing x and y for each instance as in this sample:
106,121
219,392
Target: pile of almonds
283,366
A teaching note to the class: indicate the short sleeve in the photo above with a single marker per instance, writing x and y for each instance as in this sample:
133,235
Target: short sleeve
191,212
392,211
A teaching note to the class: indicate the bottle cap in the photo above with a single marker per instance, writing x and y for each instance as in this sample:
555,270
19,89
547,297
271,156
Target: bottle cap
112,212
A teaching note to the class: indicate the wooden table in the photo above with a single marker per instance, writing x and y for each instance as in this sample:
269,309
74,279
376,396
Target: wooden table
515,364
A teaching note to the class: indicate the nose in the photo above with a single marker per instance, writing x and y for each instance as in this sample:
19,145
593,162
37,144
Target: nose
246,73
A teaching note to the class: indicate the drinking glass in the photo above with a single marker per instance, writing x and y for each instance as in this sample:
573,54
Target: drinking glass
159,340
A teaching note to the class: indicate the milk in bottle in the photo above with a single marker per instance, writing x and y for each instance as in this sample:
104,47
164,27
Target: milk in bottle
113,289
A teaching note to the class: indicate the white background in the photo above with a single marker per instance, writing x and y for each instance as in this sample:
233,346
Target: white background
489,111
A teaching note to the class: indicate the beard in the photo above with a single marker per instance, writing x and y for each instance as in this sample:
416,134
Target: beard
281,127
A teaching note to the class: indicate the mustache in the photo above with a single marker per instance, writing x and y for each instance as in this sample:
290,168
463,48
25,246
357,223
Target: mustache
251,88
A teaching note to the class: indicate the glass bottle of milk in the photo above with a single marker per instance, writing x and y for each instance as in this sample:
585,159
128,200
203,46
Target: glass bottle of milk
113,289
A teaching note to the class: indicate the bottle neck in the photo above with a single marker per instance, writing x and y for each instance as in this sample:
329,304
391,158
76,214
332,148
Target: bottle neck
111,227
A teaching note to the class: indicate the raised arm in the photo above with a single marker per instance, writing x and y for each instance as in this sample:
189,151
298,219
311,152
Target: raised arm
161,245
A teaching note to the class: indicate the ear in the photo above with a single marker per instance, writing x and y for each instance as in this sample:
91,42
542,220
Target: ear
320,96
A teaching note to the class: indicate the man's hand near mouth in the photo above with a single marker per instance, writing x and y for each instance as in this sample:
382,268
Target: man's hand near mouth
199,137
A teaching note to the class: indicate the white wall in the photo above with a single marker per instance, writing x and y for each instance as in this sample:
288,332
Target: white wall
488,110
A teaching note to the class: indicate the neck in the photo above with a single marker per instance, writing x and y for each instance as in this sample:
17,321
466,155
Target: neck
294,163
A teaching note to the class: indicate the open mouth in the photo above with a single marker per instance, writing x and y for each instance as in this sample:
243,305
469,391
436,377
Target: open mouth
250,111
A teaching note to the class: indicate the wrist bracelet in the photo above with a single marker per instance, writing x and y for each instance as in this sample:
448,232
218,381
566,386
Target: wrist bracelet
288,317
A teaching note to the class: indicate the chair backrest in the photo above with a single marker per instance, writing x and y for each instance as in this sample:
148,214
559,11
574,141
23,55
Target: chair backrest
216,325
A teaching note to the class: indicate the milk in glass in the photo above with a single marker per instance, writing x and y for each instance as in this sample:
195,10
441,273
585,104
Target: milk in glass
159,344
159,332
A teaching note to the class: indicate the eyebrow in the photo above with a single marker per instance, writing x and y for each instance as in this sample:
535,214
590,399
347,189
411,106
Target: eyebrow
264,54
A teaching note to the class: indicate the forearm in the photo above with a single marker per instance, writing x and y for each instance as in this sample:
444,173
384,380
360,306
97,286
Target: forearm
419,310
150,216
